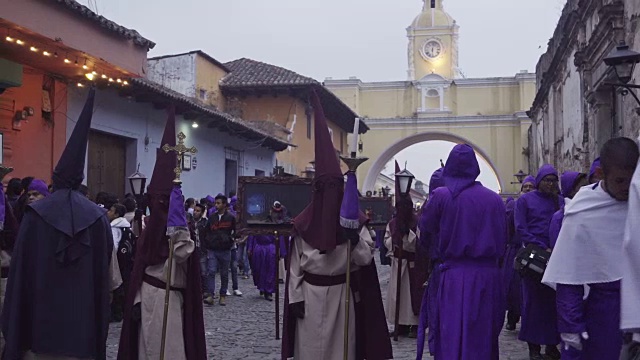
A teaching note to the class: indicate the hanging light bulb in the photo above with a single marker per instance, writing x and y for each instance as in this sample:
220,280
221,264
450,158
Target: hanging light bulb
194,125
85,64
76,62
94,72
66,59
46,53
104,76
119,81
10,39
80,84
89,76
110,79
34,49
19,42
125,83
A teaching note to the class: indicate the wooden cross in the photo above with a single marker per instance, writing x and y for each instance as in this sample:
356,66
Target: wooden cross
180,149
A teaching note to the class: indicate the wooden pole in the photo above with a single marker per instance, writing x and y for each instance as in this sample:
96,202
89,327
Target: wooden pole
396,321
166,299
277,295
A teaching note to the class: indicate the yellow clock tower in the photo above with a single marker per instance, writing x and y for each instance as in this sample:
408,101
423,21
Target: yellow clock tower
433,43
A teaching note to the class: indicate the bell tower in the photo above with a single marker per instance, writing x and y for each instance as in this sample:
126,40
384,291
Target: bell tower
433,43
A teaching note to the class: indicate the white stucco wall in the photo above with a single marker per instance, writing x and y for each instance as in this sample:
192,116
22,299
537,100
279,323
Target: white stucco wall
177,73
126,118
572,118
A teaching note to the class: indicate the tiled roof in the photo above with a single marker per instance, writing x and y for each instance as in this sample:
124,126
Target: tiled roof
107,24
248,75
251,73
223,121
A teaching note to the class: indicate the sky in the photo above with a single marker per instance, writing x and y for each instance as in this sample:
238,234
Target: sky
343,38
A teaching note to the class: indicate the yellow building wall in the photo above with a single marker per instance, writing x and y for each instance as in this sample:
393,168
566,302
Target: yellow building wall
282,110
208,76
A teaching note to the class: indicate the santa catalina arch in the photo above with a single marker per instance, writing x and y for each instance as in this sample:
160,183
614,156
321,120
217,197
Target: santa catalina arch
436,102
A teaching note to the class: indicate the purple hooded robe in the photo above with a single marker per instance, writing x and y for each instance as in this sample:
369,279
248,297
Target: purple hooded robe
263,260
512,280
469,220
533,217
567,182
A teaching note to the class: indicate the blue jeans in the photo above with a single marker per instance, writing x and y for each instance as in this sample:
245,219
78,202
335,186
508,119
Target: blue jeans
243,260
234,268
218,261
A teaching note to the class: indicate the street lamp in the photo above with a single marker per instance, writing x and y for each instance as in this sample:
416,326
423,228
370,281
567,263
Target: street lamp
624,60
405,178
137,181
520,175
385,191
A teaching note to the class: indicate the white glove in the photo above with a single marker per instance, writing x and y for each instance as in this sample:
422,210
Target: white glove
573,340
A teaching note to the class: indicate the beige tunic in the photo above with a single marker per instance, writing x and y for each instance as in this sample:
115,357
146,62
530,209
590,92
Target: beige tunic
406,311
152,307
320,335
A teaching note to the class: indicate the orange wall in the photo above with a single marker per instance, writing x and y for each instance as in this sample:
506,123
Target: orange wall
281,110
35,148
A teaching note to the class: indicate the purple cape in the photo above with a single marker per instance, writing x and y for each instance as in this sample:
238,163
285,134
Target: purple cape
80,302
262,250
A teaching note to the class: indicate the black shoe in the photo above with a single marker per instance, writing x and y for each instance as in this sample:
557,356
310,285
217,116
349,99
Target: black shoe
413,332
268,297
510,327
552,353
535,356
261,293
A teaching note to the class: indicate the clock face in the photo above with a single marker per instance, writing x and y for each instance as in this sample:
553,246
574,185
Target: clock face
432,49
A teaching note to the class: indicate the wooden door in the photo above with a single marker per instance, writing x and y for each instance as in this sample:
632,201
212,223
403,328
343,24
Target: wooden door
106,166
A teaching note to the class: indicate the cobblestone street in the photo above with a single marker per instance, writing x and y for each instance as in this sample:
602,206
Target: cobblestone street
244,329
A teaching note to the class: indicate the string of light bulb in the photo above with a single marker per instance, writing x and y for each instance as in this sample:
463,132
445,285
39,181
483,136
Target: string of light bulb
93,75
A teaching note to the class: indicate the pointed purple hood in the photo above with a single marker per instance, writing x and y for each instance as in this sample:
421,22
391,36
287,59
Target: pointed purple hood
350,208
39,186
436,180
567,181
461,169
177,217
544,171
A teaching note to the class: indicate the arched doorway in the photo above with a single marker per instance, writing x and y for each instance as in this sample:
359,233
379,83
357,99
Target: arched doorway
389,153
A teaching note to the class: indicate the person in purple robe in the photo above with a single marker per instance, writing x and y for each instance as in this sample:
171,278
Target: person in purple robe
533,217
570,183
588,254
427,250
595,172
262,256
469,222
512,281
57,297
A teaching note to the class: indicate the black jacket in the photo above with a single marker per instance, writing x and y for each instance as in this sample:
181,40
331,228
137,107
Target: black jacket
219,232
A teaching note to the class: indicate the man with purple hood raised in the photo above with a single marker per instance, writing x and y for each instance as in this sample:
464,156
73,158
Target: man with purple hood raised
144,304
428,251
533,217
57,300
315,296
588,254
469,222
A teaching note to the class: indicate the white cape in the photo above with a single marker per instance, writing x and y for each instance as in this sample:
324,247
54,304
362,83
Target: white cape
630,312
589,247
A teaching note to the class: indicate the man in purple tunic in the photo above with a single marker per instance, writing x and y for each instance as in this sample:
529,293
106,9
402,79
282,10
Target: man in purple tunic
570,183
528,185
469,221
588,253
428,251
533,216
262,255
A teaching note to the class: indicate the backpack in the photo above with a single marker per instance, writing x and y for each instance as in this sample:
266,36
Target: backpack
126,252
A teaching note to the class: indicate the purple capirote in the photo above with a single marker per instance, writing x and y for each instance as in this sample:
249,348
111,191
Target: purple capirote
177,216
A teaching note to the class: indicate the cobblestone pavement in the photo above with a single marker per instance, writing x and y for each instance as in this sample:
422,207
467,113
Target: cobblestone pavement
245,329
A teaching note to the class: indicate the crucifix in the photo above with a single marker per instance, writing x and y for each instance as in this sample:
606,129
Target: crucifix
180,149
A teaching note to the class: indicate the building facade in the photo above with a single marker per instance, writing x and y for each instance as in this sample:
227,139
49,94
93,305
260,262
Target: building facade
576,109
437,103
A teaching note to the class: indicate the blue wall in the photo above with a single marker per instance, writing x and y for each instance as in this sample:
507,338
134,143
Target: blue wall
134,121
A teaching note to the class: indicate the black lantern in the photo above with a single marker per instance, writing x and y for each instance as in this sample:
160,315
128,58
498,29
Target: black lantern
623,61
520,176
385,191
137,181
405,179
360,146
